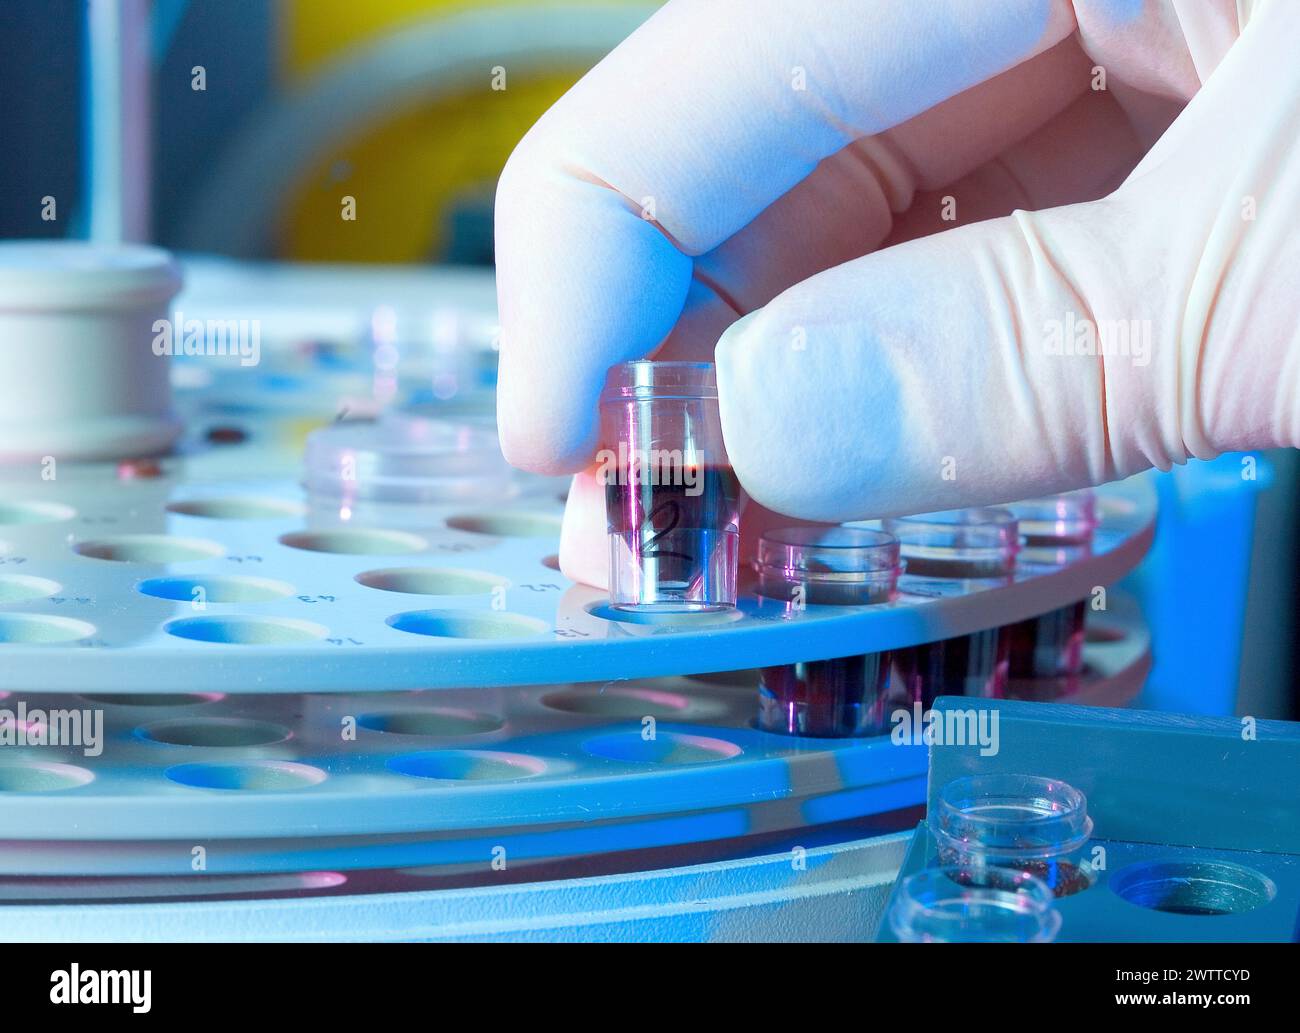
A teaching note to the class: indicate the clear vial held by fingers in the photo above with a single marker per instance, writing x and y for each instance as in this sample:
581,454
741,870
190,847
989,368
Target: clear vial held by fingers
672,501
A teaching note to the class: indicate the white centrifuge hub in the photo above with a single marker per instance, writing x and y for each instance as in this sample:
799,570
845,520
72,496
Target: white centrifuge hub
79,377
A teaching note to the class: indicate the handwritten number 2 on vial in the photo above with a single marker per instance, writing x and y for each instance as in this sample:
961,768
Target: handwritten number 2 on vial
673,516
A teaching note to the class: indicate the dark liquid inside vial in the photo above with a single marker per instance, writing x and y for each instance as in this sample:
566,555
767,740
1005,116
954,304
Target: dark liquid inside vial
957,570
969,665
848,696
663,504
1063,878
1050,646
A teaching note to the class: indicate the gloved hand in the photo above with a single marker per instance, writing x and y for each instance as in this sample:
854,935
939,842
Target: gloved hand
791,164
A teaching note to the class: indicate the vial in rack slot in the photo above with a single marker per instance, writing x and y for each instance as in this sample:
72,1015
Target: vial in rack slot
968,545
955,905
1036,825
1047,652
845,696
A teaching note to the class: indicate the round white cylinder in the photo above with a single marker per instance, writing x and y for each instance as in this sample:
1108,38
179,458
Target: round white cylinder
79,377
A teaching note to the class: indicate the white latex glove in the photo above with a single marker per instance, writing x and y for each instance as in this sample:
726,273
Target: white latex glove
882,367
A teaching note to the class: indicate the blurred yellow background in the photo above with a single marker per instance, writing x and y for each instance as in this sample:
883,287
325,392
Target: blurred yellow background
422,172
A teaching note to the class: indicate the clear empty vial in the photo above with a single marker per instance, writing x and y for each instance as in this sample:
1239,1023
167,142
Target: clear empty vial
1033,824
1054,531
953,905
838,566
405,456
672,501
976,545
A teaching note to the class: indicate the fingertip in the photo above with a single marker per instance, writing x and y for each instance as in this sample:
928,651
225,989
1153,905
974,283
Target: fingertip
771,414
546,442
582,285
809,414
584,547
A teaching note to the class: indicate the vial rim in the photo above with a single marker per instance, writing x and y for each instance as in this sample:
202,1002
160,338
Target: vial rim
957,796
907,906
651,379
979,533
1076,524
792,548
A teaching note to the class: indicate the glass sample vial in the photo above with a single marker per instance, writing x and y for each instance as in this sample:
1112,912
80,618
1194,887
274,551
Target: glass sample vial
959,545
952,905
1035,825
672,501
1055,530
846,696
402,457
